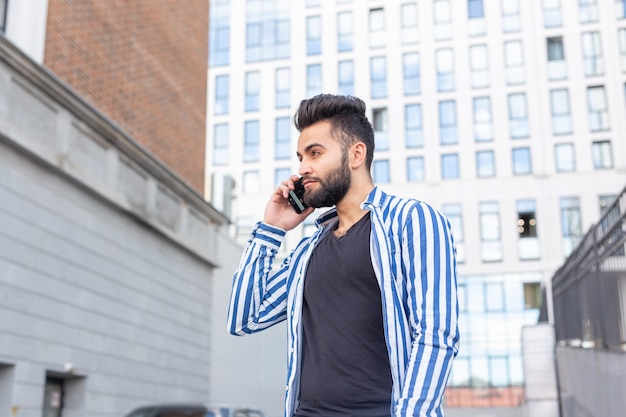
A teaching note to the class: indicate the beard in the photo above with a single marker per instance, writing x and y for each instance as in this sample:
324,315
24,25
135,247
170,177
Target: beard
333,187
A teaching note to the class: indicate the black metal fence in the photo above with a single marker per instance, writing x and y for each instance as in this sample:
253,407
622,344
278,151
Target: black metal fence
589,290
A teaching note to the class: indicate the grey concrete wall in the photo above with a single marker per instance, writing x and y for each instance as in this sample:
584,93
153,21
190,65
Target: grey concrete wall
114,274
249,369
83,285
592,382
540,384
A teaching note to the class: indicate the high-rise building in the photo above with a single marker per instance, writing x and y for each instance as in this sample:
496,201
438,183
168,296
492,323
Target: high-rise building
507,115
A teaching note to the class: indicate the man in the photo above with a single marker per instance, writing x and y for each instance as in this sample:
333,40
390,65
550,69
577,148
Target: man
369,298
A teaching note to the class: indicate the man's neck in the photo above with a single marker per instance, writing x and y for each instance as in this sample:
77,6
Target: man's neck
349,209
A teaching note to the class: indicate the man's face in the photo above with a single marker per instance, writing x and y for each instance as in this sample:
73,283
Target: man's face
324,166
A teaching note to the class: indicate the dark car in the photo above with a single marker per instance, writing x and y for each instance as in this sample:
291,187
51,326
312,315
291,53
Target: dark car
193,410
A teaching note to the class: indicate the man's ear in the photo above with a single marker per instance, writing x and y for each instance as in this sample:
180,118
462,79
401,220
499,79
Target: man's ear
358,153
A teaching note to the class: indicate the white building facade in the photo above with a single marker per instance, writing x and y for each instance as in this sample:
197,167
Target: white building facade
507,115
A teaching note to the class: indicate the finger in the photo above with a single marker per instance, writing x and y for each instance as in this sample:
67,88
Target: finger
284,189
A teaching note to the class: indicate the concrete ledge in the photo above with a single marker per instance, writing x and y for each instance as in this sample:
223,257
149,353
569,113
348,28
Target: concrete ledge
45,118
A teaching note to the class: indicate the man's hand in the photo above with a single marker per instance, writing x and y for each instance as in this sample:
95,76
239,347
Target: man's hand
279,212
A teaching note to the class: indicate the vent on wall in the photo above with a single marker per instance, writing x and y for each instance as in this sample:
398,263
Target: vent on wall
222,186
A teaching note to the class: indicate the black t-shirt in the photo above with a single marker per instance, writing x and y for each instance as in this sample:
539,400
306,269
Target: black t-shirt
345,365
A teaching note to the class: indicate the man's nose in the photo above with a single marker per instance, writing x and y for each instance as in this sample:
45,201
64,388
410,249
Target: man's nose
305,168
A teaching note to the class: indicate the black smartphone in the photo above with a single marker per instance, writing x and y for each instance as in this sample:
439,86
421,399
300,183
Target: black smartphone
295,197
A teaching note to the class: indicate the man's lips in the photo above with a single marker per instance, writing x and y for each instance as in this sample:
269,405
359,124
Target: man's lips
305,183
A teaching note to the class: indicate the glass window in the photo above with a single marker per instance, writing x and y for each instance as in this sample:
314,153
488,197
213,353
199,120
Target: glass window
565,159
461,289
408,22
220,144
532,295
557,68
476,298
413,126
510,15
415,169
308,228
620,8
514,62
447,122
243,228
283,141
283,88
380,170
587,11
221,94
622,47
480,371
526,219
219,34
475,9
555,49
444,59
521,161
460,375
378,74
482,119
280,175
605,202
491,245
602,154
499,371
479,64
571,224
313,79
345,38
443,19
377,27
313,35
381,128
250,183
454,214
494,296
476,15
559,105
592,54
251,141
346,78
267,30
313,3
552,13
252,91
449,166
598,111
518,116
411,72
528,243
485,164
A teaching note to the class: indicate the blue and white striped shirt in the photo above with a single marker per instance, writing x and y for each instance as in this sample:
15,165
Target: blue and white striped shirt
413,256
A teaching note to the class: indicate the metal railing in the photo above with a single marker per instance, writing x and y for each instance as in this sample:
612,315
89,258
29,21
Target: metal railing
589,290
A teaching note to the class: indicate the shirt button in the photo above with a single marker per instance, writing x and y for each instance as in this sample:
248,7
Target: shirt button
286,387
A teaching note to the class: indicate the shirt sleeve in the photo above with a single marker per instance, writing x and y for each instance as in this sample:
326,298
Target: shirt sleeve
258,298
429,266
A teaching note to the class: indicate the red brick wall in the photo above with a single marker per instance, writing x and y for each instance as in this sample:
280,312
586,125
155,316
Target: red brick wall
143,63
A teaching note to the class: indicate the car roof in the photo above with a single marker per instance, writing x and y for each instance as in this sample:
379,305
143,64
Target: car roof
190,406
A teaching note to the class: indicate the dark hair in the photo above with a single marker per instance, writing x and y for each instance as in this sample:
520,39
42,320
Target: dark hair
346,115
